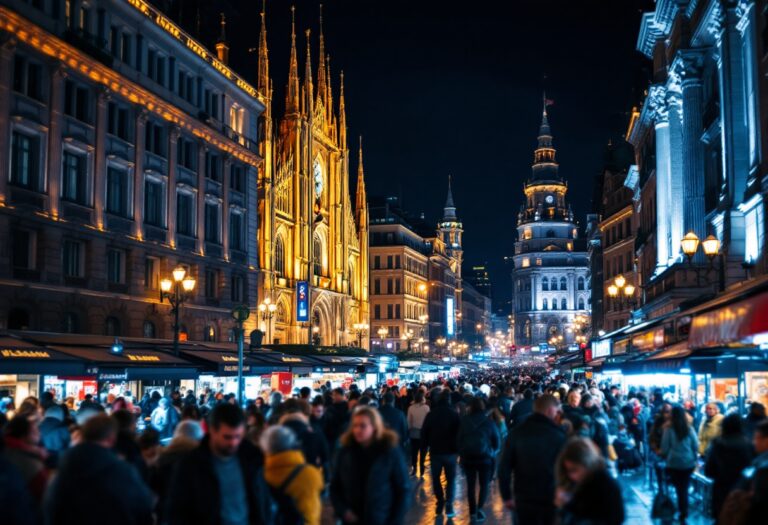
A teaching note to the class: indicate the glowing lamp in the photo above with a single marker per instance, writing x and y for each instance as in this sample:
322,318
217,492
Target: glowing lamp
620,281
188,284
629,290
165,285
178,273
613,290
689,244
711,246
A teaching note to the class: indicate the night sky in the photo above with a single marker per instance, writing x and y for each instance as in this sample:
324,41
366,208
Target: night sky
443,87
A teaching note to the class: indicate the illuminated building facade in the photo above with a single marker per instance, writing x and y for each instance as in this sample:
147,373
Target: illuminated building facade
129,149
550,275
310,230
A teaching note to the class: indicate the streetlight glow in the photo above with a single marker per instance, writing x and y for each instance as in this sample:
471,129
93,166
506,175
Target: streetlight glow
711,246
690,244
178,273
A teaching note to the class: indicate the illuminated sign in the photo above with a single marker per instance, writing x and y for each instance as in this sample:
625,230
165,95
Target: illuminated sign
35,354
302,301
291,359
197,48
228,358
450,320
134,357
601,348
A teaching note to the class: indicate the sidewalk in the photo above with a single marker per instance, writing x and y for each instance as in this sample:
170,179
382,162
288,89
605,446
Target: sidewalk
638,501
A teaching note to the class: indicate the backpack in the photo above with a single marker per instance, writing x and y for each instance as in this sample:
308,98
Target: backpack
475,444
285,510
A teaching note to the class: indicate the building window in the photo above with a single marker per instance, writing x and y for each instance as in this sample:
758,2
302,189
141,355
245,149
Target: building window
112,326
237,289
279,267
581,303
18,319
148,330
580,283
544,304
554,303
213,166
185,214
72,258
74,179
151,273
77,101
154,138
23,249
70,323
377,311
545,284
376,262
153,203
236,231
317,255
563,284
209,334
526,262
186,154
377,287
390,314
119,121
237,178
28,78
25,159
390,287
115,266
211,222
211,284
563,304
117,191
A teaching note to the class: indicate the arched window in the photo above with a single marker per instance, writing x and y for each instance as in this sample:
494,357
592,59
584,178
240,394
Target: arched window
317,255
18,319
563,304
112,326
554,303
70,323
544,304
580,283
231,337
279,257
563,284
545,284
209,334
581,303
149,330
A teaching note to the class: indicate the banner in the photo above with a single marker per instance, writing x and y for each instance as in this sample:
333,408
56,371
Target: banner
302,301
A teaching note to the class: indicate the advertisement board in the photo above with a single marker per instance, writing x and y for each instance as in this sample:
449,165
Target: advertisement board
302,301
450,319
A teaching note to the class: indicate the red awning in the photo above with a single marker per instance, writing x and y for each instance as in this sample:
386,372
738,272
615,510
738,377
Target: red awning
731,324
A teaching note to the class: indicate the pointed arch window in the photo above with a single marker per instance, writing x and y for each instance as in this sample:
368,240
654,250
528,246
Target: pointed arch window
581,303
280,317
279,267
563,284
545,284
580,283
317,255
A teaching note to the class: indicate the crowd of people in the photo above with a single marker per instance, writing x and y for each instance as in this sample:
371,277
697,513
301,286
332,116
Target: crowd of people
556,448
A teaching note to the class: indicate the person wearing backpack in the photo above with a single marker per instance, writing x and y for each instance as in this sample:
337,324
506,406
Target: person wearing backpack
679,448
478,444
417,412
295,484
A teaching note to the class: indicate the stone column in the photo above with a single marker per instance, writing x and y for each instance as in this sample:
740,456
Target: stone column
676,168
138,176
173,138
656,97
100,161
6,72
200,245
225,209
53,172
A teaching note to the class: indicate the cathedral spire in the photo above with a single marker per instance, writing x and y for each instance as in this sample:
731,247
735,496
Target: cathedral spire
321,69
449,210
544,164
360,196
222,47
263,68
292,93
342,116
308,87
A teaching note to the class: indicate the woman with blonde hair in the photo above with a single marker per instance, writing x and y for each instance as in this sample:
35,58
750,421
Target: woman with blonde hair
370,479
586,493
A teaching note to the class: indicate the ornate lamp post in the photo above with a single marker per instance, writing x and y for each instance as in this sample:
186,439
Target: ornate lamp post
622,290
711,248
361,329
440,342
267,309
240,314
407,336
177,291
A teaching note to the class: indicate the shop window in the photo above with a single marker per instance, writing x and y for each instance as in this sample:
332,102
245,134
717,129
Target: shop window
148,330
209,334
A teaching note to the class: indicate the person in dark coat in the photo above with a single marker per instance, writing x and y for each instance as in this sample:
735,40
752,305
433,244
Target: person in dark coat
530,453
186,438
522,409
126,445
370,483
586,493
313,444
753,418
393,417
222,480
15,500
438,435
727,457
479,443
93,486
336,418
54,433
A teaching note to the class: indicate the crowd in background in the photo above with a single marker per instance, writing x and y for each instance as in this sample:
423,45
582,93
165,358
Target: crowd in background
555,447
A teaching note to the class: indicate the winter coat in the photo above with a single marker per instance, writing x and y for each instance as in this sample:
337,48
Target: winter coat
530,453
680,454
520,410
313,444
726,459
160,475
30,460
54,436
335,422
708,431
478,424
417,412
15,500
93,487
395,420
304,489
373,483
596,501
194,496
441,426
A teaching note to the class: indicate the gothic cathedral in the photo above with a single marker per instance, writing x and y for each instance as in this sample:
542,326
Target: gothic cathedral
308,229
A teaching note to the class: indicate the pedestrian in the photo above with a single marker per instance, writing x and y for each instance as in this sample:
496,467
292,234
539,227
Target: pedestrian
93,486
759,479
394,419
530,453
679,447
54,433
336,417
755,415
312,444
126,445
22,438
727,457
417,412
586,493
16,502
369,484
710,427
164,419
296,485
221,482
479,443
438,436
521,409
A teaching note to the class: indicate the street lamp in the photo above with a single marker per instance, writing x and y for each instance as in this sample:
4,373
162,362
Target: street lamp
240,314
316,335
267,309
360,329
407,336
622,290
711,248
177,291
440,342
690,244
383,331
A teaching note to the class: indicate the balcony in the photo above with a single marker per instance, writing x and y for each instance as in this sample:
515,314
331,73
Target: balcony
90,44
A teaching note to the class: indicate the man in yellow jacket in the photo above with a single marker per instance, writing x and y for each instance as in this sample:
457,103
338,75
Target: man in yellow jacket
290,477
710,427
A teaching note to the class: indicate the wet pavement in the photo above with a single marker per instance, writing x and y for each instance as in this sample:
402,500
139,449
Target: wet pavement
638,499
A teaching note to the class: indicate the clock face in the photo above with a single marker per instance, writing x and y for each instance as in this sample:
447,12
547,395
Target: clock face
318,180
550,199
